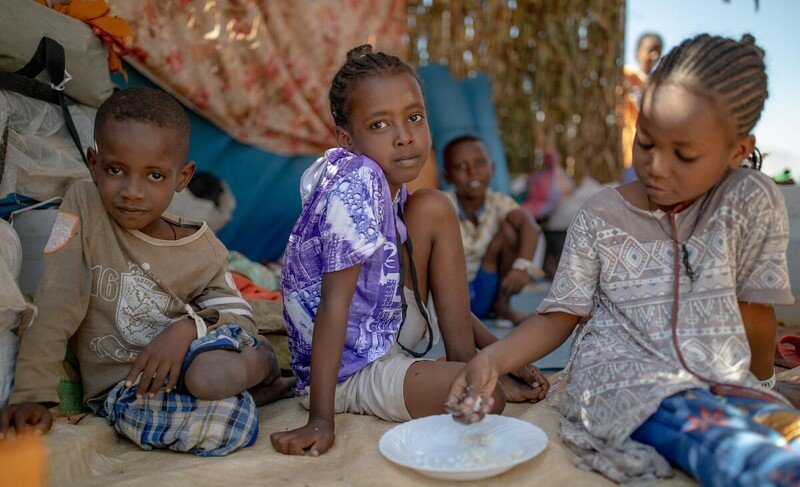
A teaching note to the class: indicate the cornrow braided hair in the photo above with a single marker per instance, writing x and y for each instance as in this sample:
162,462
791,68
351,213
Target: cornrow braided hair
731,72
361,63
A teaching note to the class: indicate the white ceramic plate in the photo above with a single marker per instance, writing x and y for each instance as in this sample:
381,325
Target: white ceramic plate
439,447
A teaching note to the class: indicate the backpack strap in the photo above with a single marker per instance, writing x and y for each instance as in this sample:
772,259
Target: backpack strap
50,57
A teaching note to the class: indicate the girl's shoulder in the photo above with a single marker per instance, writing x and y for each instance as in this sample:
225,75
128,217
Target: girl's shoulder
347,163
341,171
350,172
745,188
604,200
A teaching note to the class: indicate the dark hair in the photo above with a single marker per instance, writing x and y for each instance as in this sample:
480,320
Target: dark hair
147,105
455,142
361,63
731,72
648,35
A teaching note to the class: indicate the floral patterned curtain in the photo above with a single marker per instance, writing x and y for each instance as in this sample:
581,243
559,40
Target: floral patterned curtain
258,69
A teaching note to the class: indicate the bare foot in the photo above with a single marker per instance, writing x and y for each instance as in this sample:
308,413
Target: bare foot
518,391
504,311
280,388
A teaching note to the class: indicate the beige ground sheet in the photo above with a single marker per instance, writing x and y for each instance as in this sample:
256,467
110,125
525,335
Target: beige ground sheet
90,453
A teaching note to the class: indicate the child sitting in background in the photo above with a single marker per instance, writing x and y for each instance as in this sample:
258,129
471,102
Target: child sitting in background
671,282
136,291
499,237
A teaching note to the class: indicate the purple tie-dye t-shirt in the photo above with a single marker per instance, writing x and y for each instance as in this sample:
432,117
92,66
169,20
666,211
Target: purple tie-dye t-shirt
349,218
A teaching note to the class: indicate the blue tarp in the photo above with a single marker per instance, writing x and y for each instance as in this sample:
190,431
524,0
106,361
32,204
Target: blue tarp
463,107
266,185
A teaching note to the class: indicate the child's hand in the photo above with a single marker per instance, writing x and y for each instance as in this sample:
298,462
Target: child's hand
28,417
470,397
313,439
162,358
514,281
526,384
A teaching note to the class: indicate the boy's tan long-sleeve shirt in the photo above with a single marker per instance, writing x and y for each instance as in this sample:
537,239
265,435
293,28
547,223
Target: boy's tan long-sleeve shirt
110,291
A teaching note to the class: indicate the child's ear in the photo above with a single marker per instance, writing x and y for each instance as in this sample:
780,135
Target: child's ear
91,160
187,171
742,150
344,139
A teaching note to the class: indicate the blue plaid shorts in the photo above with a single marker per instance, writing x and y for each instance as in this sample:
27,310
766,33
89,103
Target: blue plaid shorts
184,423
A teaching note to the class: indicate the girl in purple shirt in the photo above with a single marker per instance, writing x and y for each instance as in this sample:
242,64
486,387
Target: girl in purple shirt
362,259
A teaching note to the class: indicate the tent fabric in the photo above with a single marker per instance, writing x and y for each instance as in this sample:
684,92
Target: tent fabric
463,107
266,185
259,70
90,453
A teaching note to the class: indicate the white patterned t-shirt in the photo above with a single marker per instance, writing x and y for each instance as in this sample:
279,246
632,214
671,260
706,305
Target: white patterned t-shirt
616,272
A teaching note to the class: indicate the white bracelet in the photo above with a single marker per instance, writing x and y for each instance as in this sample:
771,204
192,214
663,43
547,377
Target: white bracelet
527,266
769,383
199,323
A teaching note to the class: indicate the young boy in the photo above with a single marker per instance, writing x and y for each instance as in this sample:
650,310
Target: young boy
167,347
499,237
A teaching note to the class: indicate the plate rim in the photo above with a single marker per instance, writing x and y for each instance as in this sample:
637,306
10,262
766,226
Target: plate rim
509,464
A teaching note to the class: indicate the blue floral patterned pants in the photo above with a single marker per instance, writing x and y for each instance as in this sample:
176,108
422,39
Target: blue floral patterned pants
724,441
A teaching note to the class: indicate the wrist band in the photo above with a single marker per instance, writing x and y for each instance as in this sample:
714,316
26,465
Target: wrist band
527,266
769,383
199,323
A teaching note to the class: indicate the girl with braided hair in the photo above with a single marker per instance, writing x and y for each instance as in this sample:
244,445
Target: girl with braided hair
669,284
362,260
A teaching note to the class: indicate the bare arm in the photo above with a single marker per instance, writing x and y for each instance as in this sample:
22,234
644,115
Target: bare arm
329,333
533,339
761,328
330,327
528,231
532,384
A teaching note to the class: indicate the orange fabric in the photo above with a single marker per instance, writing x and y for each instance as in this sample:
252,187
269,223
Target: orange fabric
115,32
251,291
22,461
634,84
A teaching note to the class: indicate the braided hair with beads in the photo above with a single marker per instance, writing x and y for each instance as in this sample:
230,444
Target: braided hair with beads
731,72
361,63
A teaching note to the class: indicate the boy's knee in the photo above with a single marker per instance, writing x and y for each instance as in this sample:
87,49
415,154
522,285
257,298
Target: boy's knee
198,385
218,374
